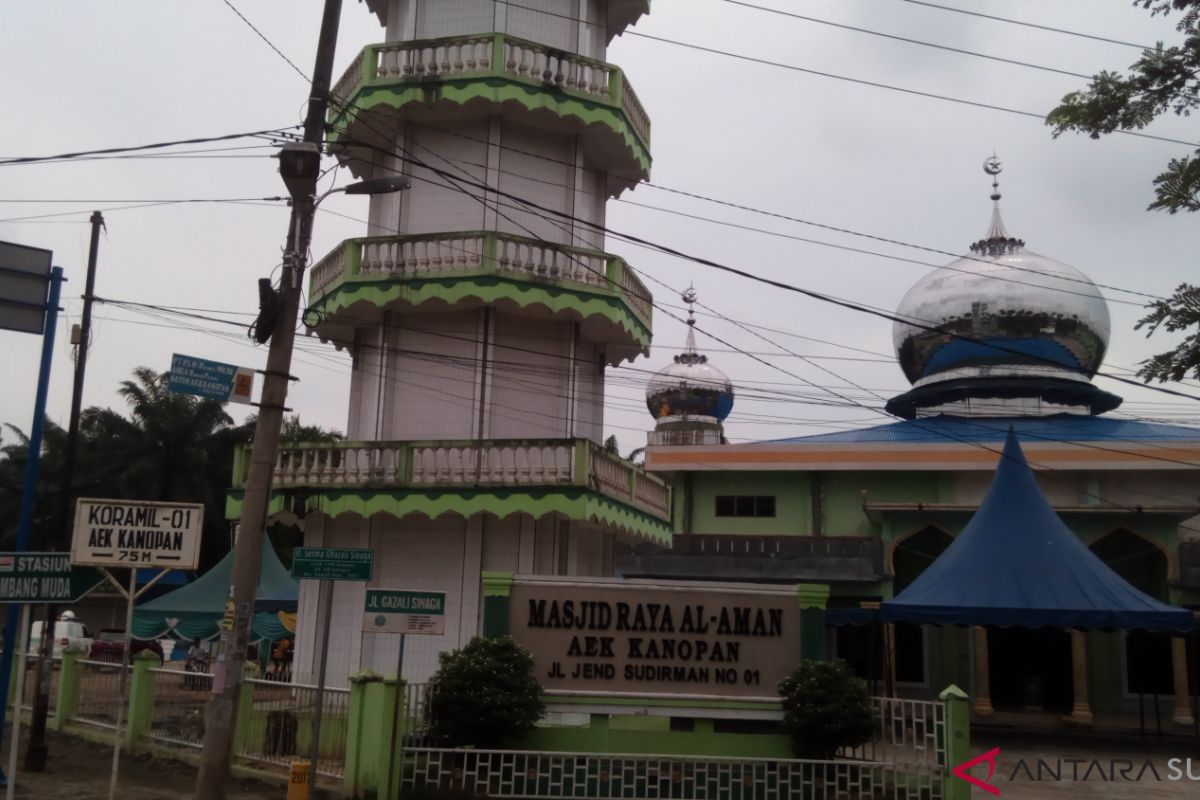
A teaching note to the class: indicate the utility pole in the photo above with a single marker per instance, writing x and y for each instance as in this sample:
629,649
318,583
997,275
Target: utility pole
36,751
221,714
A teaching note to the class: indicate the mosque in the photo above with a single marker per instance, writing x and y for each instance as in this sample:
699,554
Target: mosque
1003,338
480,330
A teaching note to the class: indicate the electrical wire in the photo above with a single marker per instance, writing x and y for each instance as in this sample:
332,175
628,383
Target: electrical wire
270,44
1029,24
154,146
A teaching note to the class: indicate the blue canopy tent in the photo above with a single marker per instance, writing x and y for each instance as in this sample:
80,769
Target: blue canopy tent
195,611
1017,563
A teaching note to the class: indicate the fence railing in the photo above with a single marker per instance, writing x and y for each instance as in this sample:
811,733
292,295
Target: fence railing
416,714
538,774
99,693
481,252
493,55
534,462
906,732
180,698
276,725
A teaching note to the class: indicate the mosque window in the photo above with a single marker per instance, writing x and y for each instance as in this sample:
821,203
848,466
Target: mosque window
745,505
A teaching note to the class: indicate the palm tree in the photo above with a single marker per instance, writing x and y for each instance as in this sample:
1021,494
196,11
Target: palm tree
171,447
13,460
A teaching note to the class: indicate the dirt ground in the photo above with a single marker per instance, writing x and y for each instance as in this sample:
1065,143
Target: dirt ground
79,770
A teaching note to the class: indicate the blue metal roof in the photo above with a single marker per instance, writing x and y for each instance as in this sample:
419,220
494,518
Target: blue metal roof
1060,427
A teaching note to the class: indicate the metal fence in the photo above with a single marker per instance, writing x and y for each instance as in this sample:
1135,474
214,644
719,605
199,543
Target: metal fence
906,732
99,693
179,701
49,677
531,774
416,714
279,725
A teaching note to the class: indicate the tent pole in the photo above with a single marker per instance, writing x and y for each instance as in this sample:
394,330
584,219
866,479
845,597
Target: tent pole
1195,682
1141,713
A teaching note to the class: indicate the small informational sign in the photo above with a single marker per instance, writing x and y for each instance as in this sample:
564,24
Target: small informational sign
43,578
24,282
398,611
120,533
333,563
210,379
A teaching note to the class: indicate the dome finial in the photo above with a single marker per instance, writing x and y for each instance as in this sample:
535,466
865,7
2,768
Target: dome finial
997,242
689,354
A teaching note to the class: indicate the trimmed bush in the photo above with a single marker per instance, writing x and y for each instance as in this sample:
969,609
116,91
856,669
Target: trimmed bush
826,707
484,695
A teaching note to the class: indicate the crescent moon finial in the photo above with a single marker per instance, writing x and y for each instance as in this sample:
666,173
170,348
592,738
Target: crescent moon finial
993,166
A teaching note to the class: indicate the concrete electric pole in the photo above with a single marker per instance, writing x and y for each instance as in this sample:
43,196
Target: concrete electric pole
300,167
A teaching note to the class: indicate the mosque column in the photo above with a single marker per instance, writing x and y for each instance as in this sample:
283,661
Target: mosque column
983,686
1179,674
1081,712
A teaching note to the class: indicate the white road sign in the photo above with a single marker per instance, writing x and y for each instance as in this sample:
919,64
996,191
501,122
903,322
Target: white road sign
134,532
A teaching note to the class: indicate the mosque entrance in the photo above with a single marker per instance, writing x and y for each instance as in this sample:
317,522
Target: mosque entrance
1030,669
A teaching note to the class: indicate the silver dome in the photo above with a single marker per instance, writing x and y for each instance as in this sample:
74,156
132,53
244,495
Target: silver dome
691,387
1025,315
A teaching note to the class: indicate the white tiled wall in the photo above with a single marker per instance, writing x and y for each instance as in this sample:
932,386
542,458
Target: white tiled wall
433,387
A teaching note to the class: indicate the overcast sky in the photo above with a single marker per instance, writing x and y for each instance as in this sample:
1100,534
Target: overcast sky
81,76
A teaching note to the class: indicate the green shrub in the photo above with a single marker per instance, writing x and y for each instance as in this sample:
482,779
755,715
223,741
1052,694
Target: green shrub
826,707
484,695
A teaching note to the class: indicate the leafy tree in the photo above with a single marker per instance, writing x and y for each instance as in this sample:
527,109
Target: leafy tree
610,445
485,694
825,708
1164,80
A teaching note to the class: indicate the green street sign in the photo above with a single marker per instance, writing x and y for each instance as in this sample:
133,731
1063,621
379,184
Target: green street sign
332,563
43,578
398,611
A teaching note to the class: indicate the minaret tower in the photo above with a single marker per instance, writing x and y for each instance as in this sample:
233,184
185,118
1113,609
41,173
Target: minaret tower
480,310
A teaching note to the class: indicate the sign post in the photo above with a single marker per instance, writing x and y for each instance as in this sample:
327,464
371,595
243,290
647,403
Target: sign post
29,292
327,564
133,534
210,379
403,612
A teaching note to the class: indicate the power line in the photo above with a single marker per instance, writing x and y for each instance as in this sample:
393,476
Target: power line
1029,24
946,48
154,146
270,44
254,201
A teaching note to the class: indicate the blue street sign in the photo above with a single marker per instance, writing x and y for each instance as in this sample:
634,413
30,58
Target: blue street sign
210,379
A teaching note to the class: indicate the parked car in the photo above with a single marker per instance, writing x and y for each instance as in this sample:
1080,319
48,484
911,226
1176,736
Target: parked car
68,632
110,644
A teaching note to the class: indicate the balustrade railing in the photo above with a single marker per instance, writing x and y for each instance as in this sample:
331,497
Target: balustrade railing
495,54
474,251
546,462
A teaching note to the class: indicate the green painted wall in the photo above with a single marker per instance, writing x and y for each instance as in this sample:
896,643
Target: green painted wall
792,504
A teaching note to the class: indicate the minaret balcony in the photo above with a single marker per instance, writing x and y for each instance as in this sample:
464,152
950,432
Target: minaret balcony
621,13
360,279
490,73
575,478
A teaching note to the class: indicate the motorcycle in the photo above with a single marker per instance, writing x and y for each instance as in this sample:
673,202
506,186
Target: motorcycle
198,677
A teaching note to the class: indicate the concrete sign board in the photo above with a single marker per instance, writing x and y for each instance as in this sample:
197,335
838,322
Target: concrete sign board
211,380
120,533
649,638
398,611
24,282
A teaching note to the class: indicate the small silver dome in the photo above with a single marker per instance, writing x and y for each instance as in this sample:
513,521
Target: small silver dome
691,387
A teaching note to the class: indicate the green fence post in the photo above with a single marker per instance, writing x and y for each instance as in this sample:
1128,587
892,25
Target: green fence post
141,697
958,739
69,675
497,586
244,728
812,597
369,734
